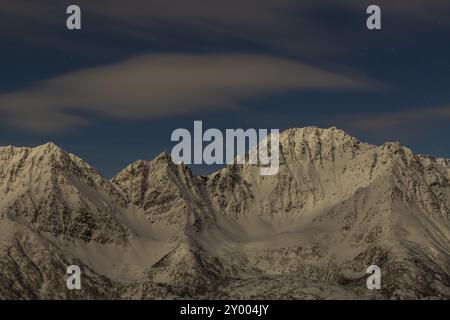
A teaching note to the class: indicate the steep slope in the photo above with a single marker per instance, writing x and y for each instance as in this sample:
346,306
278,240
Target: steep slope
167,193
59,194
175,203
32,267
337,206
156,230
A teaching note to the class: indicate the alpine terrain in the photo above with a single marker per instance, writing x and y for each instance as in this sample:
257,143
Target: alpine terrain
157,231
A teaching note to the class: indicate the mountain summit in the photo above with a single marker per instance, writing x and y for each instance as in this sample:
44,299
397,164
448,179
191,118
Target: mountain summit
155,230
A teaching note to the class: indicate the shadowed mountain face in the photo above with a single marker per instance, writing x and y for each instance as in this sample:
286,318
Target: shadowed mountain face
155,230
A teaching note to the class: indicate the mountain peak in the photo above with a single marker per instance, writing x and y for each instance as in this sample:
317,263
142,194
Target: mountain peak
50,145
313,132
335,204
49,148
163,156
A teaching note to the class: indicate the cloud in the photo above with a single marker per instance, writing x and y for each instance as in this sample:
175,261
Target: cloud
396,120
162,85
425,11
162,22
289,26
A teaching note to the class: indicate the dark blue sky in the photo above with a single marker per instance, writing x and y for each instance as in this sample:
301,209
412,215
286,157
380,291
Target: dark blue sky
114,91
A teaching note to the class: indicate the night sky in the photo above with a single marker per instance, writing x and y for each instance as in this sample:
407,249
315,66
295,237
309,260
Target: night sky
114,91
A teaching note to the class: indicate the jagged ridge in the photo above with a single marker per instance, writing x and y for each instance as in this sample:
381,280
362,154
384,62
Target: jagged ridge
336,206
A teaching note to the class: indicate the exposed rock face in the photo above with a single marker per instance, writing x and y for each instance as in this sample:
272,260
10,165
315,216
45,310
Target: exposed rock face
335,207
165,192
58,193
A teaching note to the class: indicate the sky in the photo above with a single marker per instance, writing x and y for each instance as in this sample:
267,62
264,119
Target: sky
114,91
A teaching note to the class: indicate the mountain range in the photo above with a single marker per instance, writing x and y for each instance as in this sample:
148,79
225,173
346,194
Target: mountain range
157,231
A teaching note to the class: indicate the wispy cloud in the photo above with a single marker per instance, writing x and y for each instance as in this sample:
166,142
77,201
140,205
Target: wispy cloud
164,85
163,22
285,25
398,120
424,11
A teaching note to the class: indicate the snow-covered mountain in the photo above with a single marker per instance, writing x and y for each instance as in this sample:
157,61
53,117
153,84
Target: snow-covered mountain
58,193
156,230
